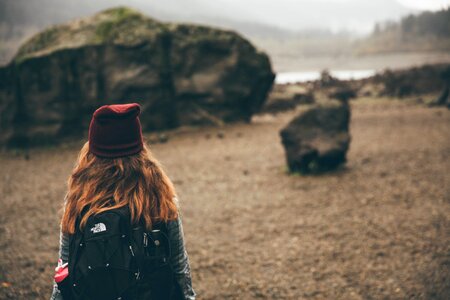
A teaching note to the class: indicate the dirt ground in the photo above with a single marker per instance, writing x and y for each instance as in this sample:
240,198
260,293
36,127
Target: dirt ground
379,228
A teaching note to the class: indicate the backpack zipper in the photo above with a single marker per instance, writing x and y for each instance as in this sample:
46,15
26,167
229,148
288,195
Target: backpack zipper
145,239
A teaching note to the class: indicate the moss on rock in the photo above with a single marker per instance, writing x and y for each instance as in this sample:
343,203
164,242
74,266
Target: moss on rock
121,25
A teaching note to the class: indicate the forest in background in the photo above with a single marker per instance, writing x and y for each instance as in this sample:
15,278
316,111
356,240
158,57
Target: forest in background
428,31
424,32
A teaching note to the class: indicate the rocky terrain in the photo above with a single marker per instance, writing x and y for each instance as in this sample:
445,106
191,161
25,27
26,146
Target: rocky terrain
427,84
181,74
377,228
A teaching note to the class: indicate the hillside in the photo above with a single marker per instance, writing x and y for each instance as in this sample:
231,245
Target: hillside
428,31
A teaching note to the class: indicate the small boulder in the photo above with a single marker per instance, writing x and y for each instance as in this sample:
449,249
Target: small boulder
317,139
287,97
304,98
343,93
277,105
443,99
327,80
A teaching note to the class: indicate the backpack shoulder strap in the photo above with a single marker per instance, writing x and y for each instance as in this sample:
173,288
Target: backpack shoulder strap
75,241
162,227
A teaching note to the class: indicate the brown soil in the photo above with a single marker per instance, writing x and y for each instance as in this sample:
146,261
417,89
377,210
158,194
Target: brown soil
378,228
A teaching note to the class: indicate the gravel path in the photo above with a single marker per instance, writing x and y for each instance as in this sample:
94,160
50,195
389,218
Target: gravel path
378,228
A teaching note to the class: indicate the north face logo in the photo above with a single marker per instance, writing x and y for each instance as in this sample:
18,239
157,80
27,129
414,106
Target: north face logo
99,227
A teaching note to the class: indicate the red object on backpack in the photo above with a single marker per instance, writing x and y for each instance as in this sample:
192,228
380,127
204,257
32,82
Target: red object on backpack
61,272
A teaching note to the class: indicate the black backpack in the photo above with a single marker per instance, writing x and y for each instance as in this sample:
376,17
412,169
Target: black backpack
111,259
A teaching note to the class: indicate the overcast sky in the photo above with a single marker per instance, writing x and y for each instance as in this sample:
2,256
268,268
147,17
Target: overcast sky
355,16
352,15
415,4
423,4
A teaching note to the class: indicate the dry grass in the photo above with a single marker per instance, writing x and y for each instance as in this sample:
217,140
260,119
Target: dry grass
378,228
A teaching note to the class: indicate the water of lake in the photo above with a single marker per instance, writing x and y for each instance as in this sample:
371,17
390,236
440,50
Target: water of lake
294,77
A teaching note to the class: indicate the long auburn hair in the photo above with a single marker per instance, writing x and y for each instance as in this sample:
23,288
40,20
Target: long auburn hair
99,184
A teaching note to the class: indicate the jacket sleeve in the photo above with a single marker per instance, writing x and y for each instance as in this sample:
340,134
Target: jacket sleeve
179,259
63,256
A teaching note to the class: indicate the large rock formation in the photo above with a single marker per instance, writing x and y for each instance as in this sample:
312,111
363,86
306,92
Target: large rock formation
180,74
318,139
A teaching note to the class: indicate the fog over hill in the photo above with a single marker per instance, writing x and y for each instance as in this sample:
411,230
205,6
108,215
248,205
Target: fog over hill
288,30
248,16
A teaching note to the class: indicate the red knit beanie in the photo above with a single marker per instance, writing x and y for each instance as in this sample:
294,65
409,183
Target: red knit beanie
115,131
